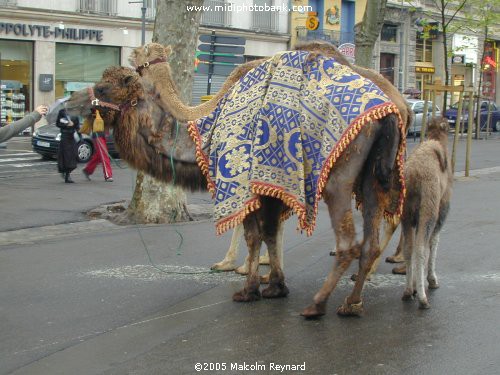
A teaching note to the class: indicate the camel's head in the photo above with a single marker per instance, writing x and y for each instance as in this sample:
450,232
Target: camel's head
149,52
438,127
118,86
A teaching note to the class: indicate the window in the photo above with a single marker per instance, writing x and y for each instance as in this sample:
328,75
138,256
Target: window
389,33
264,20
104,7
423,50
16,68
79,66
217,15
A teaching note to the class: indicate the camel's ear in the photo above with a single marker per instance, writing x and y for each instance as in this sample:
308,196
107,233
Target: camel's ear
168,51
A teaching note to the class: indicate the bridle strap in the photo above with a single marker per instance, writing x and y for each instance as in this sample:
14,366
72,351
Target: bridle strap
100,103
141,67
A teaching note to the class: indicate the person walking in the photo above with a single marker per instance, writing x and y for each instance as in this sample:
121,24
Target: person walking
8,131
67,158
100,154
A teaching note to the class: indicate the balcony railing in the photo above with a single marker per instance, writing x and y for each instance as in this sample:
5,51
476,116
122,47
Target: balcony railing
215,13
11,3
101,7
332,36
150,9
265,21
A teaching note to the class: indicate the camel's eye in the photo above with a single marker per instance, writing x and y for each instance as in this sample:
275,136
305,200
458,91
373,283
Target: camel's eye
128,80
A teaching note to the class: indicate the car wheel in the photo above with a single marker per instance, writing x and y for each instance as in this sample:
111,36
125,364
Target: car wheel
84,151
497,126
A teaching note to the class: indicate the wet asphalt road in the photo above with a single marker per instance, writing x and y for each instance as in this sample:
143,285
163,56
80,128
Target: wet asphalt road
89,302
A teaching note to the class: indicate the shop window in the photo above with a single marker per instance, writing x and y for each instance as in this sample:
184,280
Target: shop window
79,66
16,72
389,33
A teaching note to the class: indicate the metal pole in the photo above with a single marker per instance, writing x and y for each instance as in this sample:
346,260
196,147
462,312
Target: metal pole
143,26
401,51
211,62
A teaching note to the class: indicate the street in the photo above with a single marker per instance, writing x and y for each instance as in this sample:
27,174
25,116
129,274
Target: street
91,297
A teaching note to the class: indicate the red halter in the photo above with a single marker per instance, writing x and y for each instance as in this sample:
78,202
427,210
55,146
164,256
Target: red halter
140,68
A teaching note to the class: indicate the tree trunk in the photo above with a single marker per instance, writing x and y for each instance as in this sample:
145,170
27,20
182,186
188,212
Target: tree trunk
175,25
368,31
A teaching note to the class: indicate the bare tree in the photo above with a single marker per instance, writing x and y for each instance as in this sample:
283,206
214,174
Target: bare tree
368,31
176,24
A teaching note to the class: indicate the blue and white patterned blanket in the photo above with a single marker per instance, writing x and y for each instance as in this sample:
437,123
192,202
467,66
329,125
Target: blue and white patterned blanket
279,131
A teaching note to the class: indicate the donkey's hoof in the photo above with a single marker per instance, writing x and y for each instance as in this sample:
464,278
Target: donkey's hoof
350,309
245,295
424,305
276,290
395,259
223,266
433,284
314,310
399,270
242,270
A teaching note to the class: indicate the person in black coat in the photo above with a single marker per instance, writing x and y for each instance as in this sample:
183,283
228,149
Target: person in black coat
67,154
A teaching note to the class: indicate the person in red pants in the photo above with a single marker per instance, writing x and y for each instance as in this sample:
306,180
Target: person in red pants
100,154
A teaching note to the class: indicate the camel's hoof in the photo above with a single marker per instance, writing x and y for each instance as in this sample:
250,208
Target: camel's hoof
242,270
315,310
408,295
264,279
395,259
424,305
264,260
276,290
399,270
350,309
433,284
223,266
245,295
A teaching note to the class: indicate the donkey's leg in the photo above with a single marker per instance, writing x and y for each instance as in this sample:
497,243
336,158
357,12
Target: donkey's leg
228,263
337,196
253,238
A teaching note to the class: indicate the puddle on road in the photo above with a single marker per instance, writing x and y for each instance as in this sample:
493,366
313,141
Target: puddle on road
161,272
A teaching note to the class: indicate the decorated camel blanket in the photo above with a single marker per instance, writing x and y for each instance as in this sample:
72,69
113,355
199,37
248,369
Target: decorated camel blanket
279,131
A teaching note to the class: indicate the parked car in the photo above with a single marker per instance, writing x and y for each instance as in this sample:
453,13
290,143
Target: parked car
45,141
417,106
451,115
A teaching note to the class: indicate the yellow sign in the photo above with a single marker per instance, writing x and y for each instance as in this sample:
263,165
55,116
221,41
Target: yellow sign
312,22
425,69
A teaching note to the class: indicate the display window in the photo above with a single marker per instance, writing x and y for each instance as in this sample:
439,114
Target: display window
16,71
79,66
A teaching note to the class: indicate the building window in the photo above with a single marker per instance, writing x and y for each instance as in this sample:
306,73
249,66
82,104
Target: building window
151,9
423,51
102,7
11,3
16,72
216,13
264,20
79,66
389,33
387,62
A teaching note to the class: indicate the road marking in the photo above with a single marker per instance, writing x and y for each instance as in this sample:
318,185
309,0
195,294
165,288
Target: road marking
479,172
20,159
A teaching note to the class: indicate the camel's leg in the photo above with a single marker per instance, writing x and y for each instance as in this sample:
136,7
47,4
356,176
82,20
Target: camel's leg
421,250
228,263
264,279
408,242
277,287
389,229
337,196
253,238
398,256
431,272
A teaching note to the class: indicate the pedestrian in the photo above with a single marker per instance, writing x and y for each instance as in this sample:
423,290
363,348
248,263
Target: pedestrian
100,154
67,159
8,131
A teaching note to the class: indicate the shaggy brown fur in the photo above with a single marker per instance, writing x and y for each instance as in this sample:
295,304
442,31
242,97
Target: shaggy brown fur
374,149
160,75
429,181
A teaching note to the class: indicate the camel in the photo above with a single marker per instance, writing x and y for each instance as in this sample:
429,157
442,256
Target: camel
429,179
372,150
151,62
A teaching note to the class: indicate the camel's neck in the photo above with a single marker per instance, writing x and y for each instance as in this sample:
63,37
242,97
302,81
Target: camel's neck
169,97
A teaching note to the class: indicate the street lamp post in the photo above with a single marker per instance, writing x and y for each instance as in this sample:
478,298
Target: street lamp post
143,26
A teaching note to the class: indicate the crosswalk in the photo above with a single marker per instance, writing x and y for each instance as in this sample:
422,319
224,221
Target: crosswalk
17,159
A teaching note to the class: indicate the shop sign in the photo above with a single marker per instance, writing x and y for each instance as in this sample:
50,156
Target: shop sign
333,15
348,50
312,21
46,82
458,59
68,33
425,69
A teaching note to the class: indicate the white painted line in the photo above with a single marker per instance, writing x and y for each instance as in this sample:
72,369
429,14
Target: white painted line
34,157
20,153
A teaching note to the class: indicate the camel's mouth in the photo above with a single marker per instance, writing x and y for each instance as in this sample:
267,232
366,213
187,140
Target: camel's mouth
79,103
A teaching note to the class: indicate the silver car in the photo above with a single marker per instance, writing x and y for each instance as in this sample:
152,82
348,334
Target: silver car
417,106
